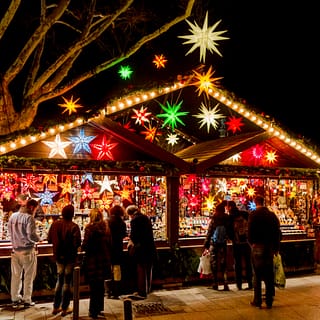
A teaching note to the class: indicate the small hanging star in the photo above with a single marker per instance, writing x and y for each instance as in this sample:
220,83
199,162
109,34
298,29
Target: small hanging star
46,197
172,139
209,116
82,142
234,124
104,149
70,105
172,114
57,147
160,61
125,72
87,176
205,82
204,39
151,133
271,156
105,185
251,192
141,115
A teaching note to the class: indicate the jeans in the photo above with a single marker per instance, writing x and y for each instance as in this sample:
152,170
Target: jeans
262,262
218,260
144,278
242,253
23,265
62,293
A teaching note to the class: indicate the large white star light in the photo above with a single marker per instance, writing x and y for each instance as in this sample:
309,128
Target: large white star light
209,116
172,139
57,147
205,38
82,142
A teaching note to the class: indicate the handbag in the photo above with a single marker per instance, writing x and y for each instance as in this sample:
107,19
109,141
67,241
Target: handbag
204,267
279,275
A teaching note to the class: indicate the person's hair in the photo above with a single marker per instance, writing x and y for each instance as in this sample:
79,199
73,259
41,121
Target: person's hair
95,215
31,205
132,209
259,200
117,211
22,197
68,212
231,204
220,208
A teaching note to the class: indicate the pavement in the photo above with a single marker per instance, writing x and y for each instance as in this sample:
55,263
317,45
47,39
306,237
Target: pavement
299,300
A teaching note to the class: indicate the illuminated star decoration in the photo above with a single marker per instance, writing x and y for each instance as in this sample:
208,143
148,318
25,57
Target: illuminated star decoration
82,142
172,139
104,149
234,124
125,72
46,197
66,186
51,178
252,206
205,38
29,182
204,82
172,114
160,61
236,157
126,193
141,116
87,176
151,133
70,105
209,203
251,192
209,116
257,152
271,156
87,192
128,126
105,185
57,146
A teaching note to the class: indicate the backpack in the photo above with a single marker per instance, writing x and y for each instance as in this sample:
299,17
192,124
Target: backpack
220,235
240,228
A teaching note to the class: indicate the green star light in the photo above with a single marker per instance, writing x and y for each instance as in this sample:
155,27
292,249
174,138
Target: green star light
125,72
172,114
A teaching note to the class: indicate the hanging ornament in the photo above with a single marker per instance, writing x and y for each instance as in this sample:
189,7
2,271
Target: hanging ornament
234,124
81,142
46,197
57,147
172,114
151,133
66,186
87,176
204,82
271,157
209,116
141,116
70,105
160,61
251,191
105,185
104,149
204,39
125,72
172,139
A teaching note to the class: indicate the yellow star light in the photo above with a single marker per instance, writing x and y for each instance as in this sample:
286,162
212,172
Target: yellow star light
251,191
204,39
70,105
205,82
160,61
271,156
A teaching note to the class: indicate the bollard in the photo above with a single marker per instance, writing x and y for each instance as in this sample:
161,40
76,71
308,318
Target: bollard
76,293
127,306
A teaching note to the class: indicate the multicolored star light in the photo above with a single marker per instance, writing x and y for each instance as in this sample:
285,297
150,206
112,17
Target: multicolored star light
141,115
204,39
151,133
209,116
172,114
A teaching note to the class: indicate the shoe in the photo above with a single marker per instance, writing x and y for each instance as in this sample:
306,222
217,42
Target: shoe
16,304
269,306
226,288
255,304
56,311
66,312
215,287
29,304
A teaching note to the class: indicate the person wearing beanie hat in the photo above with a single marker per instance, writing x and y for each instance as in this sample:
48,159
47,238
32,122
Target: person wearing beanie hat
144,249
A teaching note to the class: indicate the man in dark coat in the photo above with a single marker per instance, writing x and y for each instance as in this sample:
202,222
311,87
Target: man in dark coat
141,238
264,236
65,236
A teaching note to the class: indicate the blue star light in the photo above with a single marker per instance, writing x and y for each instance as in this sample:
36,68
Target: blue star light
252,205
87,176
46,197
82,142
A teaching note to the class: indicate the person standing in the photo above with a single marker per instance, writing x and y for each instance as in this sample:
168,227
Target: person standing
264,236
96,245
118,231
219,230
144,250
24,238
240,245
65,237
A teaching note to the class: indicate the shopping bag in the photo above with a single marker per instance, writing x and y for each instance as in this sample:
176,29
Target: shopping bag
279,275
204,267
